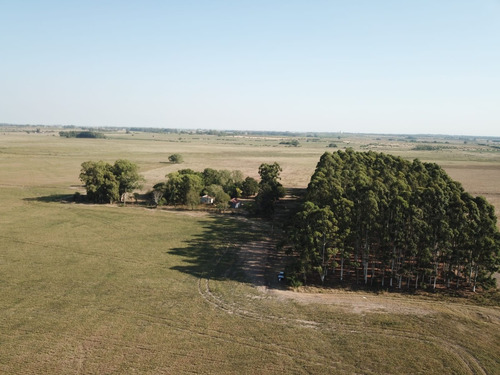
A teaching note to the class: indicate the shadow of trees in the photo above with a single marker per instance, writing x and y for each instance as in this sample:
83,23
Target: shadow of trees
214,252
141,200
61,198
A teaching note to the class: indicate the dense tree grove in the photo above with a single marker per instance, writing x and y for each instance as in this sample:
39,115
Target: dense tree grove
185,187
81,134
380,220
106,183
249,187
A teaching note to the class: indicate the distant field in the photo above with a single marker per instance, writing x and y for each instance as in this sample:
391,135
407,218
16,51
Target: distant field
120,290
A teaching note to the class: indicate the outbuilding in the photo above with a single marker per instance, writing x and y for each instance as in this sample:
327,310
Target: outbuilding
207,199
235,203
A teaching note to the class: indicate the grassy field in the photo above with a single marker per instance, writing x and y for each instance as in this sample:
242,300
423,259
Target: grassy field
91,289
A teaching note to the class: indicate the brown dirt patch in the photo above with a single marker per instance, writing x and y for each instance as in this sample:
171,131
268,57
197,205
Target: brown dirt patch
253,258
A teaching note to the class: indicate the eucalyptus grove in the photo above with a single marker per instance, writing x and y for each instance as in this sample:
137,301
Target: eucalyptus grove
382,220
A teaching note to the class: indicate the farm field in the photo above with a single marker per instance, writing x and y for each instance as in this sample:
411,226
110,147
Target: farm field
116,290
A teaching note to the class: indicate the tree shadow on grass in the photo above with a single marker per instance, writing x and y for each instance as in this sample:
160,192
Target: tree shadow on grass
214,253
62,198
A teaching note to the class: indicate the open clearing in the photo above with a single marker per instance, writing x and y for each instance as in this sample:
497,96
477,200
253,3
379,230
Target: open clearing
116,290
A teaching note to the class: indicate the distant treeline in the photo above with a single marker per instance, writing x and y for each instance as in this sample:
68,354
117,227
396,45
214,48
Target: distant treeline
427,148
293,142
81,134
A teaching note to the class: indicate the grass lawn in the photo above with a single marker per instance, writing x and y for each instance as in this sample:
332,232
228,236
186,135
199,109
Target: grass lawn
120,290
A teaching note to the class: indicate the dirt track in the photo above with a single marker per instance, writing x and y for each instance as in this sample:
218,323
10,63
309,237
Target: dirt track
253,258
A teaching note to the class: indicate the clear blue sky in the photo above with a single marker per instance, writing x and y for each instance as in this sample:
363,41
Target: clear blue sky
416,66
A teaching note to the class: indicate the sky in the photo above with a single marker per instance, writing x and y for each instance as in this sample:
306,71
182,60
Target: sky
357,66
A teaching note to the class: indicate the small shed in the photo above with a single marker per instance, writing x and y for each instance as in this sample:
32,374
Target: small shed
207,199
235,203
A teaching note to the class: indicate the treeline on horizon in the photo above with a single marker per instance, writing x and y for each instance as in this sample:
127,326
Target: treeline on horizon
81,134
228,132
379,220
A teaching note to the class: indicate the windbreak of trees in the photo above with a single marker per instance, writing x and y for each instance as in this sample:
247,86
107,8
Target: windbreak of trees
81,134
379,220
293,142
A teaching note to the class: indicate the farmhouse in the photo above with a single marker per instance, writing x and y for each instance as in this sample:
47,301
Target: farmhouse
207,199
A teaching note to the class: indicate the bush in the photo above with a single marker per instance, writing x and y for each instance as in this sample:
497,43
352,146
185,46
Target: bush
294,282
175,159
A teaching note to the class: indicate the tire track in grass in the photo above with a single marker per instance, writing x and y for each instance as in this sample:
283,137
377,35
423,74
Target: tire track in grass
278,350
87,344
467,360
469,363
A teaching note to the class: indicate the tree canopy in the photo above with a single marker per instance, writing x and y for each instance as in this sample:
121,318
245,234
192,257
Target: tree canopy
270,189
81,134
105,183
185,186
381,220
175,158
127,174
249,187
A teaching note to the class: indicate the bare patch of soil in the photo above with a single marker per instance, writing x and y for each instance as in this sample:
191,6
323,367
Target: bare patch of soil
253,260
354,302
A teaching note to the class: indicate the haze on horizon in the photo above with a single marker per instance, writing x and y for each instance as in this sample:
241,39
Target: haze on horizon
384,67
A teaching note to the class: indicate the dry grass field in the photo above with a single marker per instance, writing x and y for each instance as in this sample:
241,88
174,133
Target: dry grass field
89,289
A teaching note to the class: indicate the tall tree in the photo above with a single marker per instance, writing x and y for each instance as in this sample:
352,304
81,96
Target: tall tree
270,189
183,187
249,187
314,238
127,174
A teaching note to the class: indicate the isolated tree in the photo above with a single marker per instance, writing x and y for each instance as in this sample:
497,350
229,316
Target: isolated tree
175,159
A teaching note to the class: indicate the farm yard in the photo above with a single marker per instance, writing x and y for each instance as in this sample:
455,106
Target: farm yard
115,290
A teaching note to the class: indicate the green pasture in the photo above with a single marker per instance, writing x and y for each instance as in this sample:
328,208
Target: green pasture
87,289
